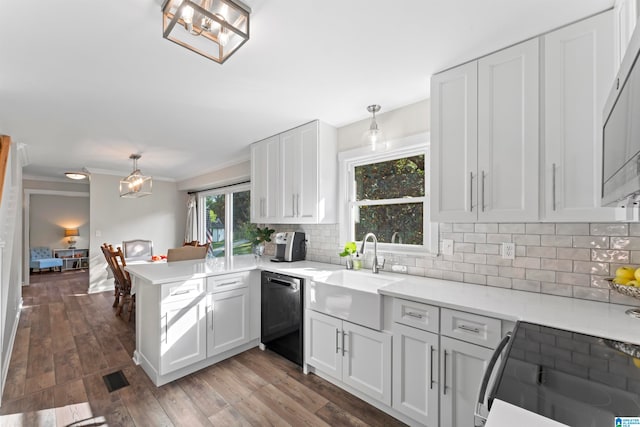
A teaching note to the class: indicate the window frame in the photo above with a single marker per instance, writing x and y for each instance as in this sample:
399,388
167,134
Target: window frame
227,191
405,147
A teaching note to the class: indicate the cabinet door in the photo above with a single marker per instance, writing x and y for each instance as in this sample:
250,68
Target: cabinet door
625,17
415,374
290,154
578,72
454,139
508,134
183,334
227,320
264,180
366,364
299,170
323,343
463,366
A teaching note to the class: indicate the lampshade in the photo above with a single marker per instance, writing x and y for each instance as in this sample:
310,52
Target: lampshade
68,232
373,137
213,28
135,185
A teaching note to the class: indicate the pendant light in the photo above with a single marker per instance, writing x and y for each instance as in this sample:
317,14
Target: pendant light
373,136
135,185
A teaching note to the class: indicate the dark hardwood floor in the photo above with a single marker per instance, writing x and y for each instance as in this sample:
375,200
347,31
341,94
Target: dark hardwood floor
68,340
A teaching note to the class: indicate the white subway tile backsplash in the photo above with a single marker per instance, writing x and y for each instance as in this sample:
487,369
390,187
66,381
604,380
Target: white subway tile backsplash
572,229
590,242
511,228
598,229
566,259
533,228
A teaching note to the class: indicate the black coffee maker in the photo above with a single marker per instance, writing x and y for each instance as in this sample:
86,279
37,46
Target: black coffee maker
290,246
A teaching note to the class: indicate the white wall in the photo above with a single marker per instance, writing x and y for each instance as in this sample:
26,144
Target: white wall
159,217
49,215
409,120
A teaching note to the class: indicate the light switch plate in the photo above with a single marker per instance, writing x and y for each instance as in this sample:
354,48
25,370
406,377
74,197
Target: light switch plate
447,246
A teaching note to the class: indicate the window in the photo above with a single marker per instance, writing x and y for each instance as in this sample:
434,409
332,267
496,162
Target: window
386,194
223,220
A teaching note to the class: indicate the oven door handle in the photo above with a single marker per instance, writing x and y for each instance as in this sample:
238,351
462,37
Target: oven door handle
485,381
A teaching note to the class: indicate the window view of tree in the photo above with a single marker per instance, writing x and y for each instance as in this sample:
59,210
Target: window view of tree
390,200
218,229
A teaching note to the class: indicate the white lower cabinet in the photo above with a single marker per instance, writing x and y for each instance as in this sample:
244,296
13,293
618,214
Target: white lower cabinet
415,374
359,357
463,365
183,334
227,320
436,378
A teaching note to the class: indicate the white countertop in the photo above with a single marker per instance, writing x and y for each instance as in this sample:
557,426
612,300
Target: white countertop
588,317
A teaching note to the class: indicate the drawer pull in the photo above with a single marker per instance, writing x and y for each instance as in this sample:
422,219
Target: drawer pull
229,283
413,314
182,292
469,329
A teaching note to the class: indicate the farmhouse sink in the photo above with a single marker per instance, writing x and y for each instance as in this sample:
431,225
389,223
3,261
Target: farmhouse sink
349,295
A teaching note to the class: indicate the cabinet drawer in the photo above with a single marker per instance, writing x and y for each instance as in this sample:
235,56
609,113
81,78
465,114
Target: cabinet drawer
416,314
227,282
177,291
469,327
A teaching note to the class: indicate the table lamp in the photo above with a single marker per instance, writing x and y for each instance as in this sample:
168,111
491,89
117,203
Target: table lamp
71,233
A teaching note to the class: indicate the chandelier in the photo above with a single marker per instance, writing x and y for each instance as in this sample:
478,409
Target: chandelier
135,185
213,28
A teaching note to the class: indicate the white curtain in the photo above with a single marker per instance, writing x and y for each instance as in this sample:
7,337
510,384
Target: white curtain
191,231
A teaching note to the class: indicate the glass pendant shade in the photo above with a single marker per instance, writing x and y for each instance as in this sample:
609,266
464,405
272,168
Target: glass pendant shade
213,28
135,185
373,137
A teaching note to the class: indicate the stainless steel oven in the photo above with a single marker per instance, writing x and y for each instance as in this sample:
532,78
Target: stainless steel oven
569,377
281,315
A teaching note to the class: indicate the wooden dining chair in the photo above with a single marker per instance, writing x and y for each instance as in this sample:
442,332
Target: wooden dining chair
106,252
186,253
121,276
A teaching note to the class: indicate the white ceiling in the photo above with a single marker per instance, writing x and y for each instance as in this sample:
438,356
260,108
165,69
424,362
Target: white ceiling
86,83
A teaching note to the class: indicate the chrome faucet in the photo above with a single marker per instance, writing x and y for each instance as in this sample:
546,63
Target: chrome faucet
375,267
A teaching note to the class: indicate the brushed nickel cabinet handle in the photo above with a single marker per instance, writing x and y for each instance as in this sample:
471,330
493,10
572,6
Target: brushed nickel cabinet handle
483,179
343,349
471,191
553,185
431,367
444,382
469,329
337,345
416,315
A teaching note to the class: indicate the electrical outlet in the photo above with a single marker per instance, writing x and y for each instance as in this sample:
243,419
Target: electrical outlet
508,250
447,246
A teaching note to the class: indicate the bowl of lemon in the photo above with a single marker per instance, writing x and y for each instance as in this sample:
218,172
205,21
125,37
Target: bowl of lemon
627,281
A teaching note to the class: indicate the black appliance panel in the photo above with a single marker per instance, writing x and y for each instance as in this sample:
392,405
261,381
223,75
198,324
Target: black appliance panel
281,315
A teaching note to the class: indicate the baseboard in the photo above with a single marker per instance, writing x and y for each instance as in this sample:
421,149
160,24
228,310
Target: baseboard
5,363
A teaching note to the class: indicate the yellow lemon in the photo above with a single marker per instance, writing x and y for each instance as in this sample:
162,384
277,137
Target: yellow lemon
626,272
636,362
637,273
621,280
633,283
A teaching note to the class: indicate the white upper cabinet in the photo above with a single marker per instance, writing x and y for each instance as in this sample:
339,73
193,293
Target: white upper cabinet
485,138
454,148
508,141
579,68
303,176
625,19
264,180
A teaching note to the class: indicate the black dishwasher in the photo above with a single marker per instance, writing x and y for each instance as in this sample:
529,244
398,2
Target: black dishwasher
281,309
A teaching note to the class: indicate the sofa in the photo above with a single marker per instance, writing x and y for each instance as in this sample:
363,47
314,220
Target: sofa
41,257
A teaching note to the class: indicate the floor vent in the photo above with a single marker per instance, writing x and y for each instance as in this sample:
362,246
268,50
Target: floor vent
115,381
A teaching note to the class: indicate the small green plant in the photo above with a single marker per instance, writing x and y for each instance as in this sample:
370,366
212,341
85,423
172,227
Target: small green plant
349,249
261,235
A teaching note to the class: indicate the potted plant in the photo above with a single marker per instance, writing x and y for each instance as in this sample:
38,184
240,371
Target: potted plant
350,248
259,236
